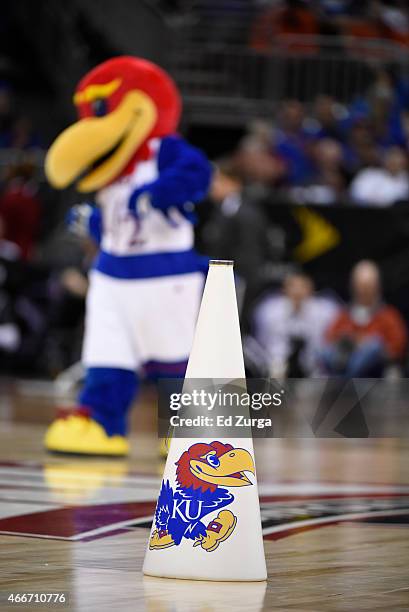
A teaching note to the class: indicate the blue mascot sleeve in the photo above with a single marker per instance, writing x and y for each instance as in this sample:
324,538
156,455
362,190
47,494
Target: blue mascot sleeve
184,177
95,225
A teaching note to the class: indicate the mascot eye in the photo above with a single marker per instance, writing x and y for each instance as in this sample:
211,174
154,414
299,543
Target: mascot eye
100,107
213,461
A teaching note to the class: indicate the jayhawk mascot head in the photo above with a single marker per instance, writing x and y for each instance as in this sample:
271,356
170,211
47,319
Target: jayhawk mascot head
121,104
208,466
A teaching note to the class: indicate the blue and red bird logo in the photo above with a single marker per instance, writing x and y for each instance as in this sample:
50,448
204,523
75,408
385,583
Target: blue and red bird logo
202,473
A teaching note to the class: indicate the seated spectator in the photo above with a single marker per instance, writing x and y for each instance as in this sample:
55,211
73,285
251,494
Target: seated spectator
325,121
283,26
20,208
385,109
367,27
10,336
255,162
327,186
291,326
360,146
385,185
292,142
394,20
368,334
379,21
23,303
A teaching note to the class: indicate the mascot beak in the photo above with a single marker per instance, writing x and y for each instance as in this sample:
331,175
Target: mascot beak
97,149
229,472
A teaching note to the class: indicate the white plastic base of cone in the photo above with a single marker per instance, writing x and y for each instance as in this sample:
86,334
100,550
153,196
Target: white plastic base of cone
170,576
239,558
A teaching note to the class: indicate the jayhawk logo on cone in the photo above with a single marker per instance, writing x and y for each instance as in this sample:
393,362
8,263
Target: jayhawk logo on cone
202,473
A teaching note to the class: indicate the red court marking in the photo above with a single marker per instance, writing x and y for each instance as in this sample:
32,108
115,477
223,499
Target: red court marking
318,496
71,521
92,521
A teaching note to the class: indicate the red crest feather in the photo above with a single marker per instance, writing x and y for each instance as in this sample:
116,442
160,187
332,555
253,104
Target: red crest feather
184,476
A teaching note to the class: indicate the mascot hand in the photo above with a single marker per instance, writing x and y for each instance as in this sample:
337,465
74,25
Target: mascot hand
139,202
142,199
84,220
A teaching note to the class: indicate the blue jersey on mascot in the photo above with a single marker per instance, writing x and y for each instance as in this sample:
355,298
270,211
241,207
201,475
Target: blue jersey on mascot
146,284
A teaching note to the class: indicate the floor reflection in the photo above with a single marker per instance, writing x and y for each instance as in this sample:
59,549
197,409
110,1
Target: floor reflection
168,595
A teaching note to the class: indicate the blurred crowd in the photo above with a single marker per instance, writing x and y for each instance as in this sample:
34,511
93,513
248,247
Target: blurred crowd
326,152
41,301
41,294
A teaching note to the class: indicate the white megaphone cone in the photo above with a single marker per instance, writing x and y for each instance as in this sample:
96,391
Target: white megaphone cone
207,522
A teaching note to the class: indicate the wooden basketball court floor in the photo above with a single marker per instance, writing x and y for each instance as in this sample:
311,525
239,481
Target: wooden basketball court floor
335,518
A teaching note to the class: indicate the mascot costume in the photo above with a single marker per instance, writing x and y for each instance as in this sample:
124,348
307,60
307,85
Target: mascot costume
146,283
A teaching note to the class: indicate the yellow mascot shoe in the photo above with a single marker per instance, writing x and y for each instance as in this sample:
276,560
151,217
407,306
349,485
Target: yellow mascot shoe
164,444
81,435
163,448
